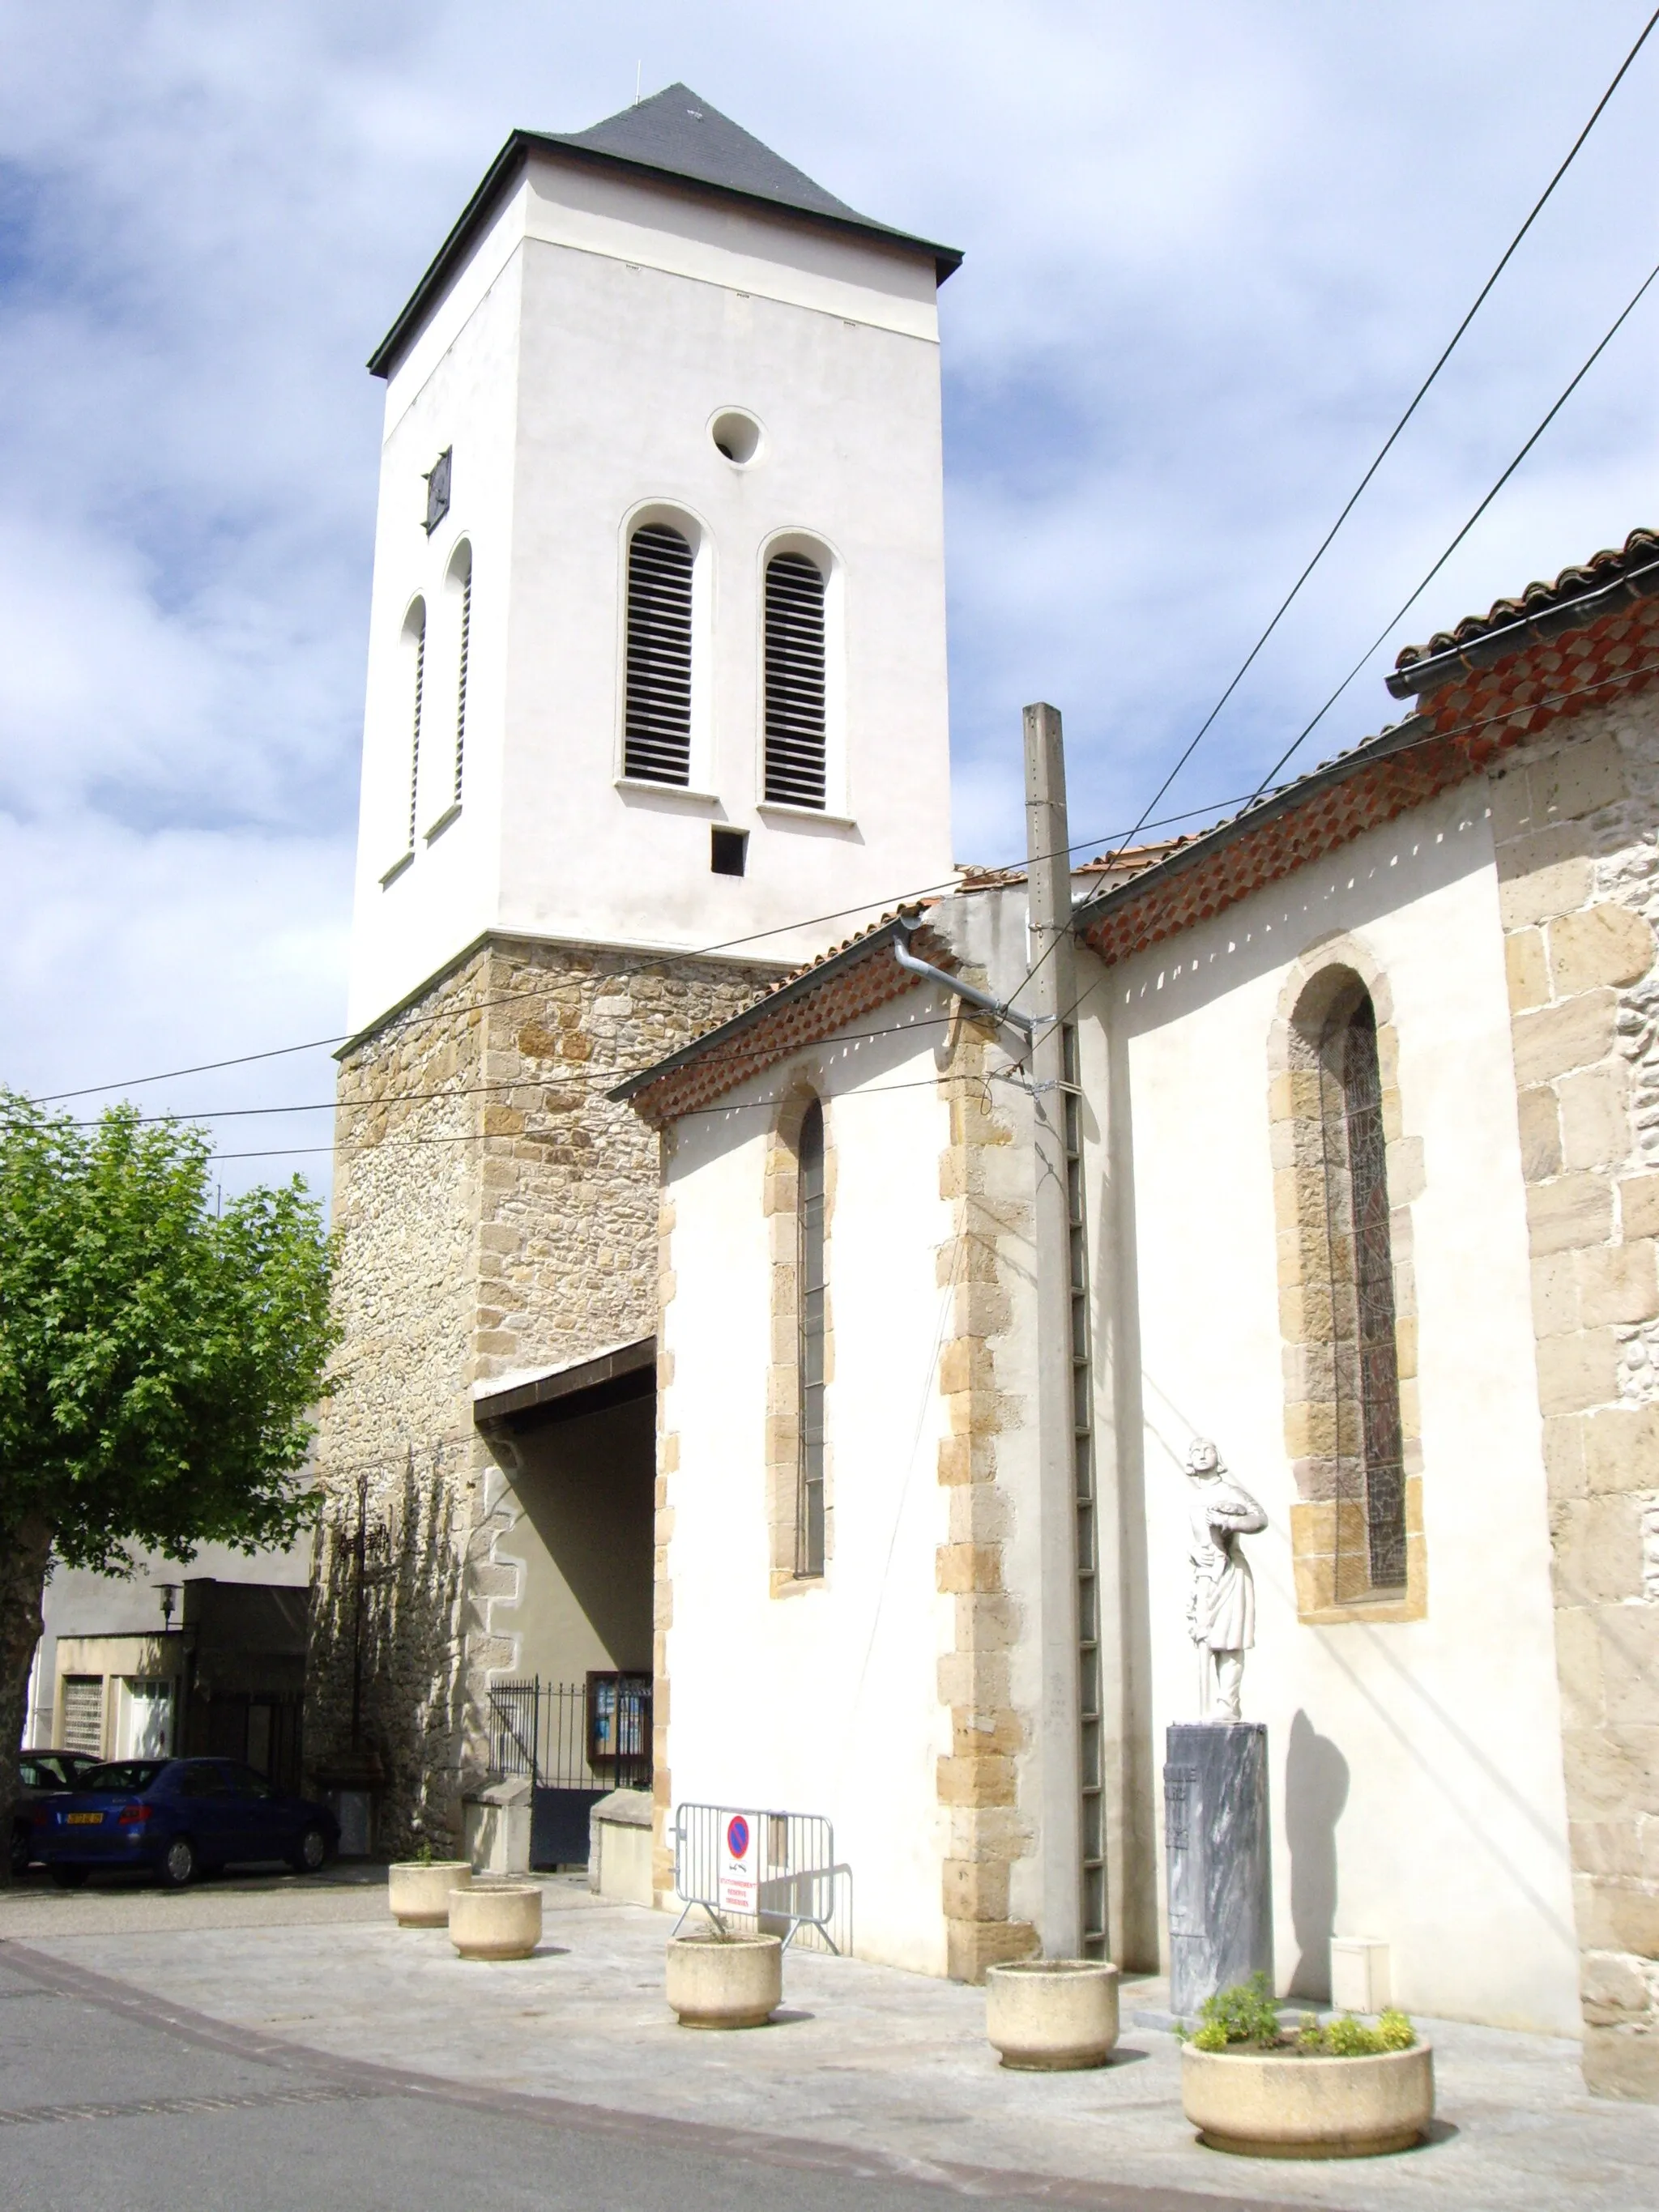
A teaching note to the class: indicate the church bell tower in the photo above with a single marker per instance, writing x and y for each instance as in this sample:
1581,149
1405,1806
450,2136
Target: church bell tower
656,710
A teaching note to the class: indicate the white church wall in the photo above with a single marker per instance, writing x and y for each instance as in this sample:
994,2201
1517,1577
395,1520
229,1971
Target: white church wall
459,397
824,1699
1417,1792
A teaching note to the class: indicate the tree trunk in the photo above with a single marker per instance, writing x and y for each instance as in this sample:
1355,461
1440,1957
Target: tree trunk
25,1549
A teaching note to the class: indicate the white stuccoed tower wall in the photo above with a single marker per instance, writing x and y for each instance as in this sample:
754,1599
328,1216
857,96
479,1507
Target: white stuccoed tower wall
572,346
602,301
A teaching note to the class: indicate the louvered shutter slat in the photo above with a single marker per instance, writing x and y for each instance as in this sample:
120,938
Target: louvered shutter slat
657,722
795,721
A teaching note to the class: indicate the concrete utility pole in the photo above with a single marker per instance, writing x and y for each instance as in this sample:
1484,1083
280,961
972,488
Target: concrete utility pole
1066,1493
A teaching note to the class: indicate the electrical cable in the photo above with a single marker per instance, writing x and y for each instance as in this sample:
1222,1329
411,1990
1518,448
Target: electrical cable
1389,443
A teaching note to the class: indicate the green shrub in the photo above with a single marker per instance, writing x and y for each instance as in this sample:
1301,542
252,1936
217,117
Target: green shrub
1348,2038
1395,2031
1244,2014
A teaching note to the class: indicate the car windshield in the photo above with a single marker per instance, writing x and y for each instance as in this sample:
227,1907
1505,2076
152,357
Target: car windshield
133,1774
41,1774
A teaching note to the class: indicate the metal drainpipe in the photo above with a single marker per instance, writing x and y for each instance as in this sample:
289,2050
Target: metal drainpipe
975,997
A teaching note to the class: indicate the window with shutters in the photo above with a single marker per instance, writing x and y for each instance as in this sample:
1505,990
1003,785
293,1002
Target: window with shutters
461,579
658,696
81,1709
796,708
413,708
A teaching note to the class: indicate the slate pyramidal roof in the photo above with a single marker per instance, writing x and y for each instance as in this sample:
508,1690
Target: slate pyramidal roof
674,134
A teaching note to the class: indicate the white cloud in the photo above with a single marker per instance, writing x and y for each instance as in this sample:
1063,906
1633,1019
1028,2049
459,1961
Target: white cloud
1211,251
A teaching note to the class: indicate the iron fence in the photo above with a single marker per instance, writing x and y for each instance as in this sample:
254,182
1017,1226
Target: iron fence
590,1735
799,1890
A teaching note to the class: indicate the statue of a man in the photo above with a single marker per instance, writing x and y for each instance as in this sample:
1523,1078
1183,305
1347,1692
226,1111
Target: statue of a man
1221,1609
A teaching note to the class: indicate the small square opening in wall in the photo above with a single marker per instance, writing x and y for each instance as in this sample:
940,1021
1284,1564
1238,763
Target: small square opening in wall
728,851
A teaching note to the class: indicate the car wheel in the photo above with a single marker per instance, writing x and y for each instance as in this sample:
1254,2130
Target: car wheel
69,1877
311,1852
178,1863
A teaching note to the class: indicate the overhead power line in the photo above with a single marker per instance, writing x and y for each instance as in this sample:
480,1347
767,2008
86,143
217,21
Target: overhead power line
1389,442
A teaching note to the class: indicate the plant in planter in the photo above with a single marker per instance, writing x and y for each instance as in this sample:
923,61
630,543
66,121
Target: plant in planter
417,1888
716,1980
1341,2089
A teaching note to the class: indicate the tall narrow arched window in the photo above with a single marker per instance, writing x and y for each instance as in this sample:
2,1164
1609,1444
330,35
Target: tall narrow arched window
1365,1432
810,1262
795,718
460,582
415,637
656,715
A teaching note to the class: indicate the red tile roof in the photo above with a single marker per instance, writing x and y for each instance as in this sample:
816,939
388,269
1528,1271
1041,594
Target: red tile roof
812,1004
1578,597
1460,728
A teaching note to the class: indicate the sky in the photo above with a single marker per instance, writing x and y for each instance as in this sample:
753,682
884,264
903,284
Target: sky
1213,246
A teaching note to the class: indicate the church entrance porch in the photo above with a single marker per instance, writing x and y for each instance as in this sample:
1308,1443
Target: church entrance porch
572,1559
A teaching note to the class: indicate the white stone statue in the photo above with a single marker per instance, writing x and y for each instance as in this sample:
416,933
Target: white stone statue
1221,1608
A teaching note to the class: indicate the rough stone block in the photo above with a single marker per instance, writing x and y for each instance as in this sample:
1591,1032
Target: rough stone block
1578,1667
1525,970
971,1945
1564,1455
1580,779
1573,1033
976,1889
1595,1129
1576,1372
1630,1665
1555,1294
1619,1282
1604,944
1510,796
1612,1773
1621,1449
1598,1550
1535,886
986,1778
1539,1116
1572,1210
1620,2061
963,1567
1639,1205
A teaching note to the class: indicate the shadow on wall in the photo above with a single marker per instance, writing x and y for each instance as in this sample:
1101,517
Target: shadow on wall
1316,1791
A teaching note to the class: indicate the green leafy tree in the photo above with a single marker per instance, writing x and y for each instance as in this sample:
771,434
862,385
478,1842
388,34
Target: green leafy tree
159,1362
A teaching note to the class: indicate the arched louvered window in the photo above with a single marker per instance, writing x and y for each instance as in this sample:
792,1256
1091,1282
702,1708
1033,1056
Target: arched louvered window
657,722
414,632
461,574
1359,1262
795,743
809,1244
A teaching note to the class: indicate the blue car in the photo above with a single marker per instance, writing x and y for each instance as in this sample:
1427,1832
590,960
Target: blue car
176,1816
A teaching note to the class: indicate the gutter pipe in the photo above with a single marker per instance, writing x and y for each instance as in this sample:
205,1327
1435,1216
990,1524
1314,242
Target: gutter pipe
925,969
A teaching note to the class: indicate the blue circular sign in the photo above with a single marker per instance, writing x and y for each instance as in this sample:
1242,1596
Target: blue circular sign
737,1836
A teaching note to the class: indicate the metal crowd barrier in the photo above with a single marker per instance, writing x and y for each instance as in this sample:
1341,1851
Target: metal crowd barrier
775,1873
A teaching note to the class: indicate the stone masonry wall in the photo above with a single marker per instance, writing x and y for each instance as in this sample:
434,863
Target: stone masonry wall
497,1214
1576,826
978,1779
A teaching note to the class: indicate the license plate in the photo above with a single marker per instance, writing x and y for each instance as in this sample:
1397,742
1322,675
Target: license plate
84,1819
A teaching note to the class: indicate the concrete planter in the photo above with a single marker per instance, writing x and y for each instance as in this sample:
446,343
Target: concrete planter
418,1891
732,1981
1048,2015
1266,2104
496,1919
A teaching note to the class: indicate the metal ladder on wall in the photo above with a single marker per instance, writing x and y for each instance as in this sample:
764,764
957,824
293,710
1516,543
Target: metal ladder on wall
1092,1810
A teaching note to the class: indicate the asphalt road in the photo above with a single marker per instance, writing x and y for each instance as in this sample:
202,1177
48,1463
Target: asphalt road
103,2109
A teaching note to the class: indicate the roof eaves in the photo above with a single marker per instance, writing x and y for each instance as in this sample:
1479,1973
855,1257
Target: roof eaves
1487,647
1193,850
503,170
797,987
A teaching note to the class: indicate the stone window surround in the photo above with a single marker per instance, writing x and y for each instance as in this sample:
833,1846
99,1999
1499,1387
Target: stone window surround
1311,987
779,1199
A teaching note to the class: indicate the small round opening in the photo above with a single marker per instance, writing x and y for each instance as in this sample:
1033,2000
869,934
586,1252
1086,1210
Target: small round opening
738,436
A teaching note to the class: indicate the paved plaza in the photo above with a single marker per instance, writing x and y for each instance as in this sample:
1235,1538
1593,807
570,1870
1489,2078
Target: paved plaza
873,2086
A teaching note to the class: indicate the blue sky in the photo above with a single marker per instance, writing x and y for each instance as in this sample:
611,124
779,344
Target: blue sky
1212,248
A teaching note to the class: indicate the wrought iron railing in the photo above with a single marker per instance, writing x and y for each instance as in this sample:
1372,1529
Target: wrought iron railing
594,1734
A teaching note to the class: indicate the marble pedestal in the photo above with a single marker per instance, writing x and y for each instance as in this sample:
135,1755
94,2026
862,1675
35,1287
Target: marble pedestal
1216,1849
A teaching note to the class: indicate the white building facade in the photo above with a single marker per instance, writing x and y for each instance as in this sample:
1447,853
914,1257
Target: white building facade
1456,1605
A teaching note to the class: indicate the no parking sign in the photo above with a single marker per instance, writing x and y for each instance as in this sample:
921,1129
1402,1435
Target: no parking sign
740,1879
